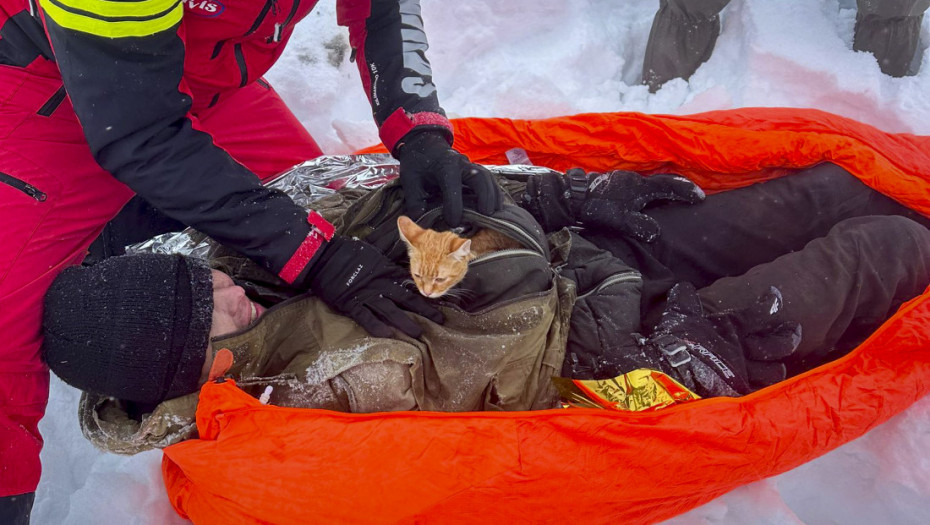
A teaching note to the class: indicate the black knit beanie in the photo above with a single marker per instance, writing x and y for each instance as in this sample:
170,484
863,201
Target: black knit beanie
133,327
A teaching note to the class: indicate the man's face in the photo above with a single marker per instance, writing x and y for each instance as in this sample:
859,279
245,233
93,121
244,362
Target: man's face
232,310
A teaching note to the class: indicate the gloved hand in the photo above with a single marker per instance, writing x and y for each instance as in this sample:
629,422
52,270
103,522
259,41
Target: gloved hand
428,163
612,201
355,278
743,348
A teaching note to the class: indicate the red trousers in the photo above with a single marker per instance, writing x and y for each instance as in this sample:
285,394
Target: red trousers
55,199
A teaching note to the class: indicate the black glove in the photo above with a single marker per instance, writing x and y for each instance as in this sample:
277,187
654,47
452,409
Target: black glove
612,201
742,348
358,280
428,163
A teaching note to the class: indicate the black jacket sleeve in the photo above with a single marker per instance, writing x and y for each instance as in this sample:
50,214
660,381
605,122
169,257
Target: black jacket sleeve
122,68
389,44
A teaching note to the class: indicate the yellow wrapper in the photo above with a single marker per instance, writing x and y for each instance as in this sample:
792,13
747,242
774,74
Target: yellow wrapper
641,389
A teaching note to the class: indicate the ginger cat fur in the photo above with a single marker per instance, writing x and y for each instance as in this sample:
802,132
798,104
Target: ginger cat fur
439,260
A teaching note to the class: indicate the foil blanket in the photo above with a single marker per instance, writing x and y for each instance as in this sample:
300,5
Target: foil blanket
305,183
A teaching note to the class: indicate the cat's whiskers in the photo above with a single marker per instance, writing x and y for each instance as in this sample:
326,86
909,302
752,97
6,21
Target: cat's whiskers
460,294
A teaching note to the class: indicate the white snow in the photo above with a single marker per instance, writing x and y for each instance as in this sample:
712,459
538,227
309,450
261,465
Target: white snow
542,58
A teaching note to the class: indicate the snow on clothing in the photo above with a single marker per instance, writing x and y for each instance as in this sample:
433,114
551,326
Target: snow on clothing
495,351
843,256
500,344
176,82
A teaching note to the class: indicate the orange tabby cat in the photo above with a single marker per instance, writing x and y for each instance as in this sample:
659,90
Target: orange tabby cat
439,260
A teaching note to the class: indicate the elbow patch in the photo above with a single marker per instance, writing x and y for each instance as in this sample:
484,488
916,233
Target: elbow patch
114,19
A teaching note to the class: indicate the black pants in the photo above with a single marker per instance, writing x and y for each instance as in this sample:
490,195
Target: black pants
15,510
843,255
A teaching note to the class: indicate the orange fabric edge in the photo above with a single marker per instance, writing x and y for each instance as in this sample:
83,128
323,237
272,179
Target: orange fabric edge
579,465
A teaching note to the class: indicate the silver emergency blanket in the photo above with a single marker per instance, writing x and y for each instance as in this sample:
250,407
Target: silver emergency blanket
305,183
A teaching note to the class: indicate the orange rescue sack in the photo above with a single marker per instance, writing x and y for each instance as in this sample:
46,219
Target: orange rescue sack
255,463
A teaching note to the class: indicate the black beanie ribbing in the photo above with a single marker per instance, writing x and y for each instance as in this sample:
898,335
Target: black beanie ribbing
134,327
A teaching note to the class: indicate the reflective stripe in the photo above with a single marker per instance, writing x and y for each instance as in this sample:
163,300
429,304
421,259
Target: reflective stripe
134,20
107,9
414,45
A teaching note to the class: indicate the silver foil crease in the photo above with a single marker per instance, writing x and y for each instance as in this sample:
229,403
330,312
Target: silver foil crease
305,183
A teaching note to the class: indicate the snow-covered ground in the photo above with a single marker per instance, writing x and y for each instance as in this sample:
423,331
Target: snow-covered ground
542,58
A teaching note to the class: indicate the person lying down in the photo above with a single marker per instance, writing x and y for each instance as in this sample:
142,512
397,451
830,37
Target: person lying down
596,276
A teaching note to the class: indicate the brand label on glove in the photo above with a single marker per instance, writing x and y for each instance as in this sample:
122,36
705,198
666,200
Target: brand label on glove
724,369
354,275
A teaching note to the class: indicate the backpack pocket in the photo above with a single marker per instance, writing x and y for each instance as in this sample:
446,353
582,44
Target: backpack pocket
500,277
607,312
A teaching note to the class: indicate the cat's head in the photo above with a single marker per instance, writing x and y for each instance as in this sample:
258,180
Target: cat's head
438,260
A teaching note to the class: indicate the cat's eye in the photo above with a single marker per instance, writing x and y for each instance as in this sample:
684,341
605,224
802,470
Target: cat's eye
440,279
416,276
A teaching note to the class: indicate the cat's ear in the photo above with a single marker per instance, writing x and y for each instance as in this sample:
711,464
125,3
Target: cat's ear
462,251
409,231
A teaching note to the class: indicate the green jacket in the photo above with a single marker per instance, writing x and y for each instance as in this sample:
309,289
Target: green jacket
501,342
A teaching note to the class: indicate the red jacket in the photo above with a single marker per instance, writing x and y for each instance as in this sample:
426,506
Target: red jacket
138,73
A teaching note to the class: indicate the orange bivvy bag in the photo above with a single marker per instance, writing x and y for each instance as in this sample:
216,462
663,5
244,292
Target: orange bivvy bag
256,463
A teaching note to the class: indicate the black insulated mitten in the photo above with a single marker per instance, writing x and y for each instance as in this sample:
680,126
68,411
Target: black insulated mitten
427,162
611,201
744,349
614,201
547,197
355,278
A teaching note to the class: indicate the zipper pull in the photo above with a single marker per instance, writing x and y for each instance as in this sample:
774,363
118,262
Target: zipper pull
34,192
